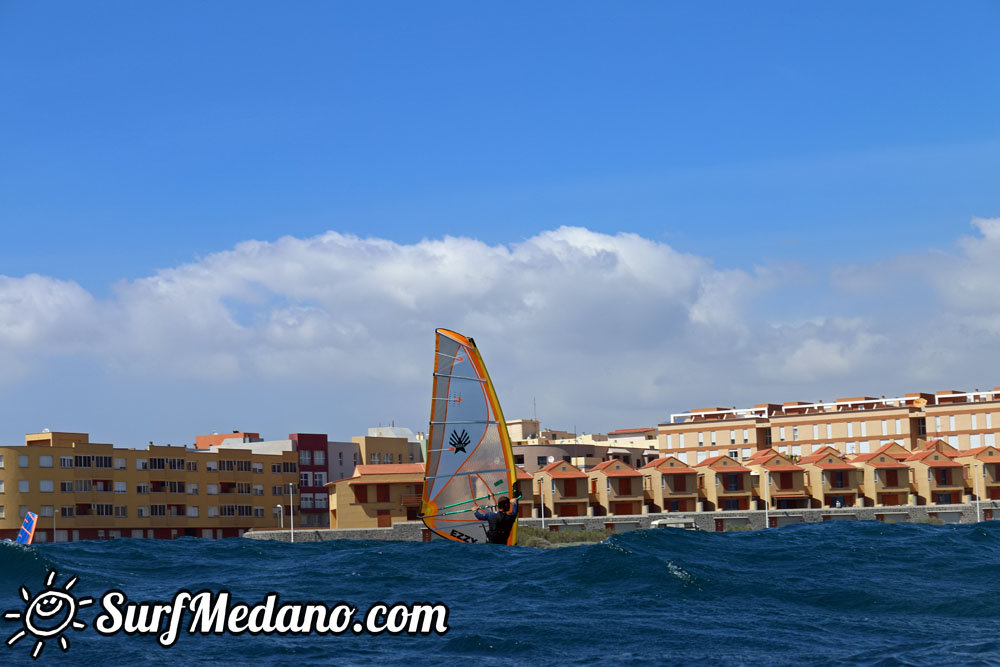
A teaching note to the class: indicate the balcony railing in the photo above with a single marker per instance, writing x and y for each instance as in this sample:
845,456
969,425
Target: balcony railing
410,501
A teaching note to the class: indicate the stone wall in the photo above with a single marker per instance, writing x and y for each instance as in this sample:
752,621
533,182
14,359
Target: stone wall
413,531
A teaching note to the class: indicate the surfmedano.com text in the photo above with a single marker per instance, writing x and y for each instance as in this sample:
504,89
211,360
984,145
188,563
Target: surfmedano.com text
215,614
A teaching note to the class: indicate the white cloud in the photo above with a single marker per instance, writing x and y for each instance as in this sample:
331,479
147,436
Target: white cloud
606,331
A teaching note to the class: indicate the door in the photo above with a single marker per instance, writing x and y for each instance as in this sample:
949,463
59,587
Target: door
384,519
623,508
569,488
892,478
567,510
625,486
785,480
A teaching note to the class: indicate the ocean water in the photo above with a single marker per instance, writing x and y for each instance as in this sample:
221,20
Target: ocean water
839,592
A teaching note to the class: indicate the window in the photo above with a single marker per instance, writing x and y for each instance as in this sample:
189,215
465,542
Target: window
213,512
66,486
355,458
211,466
192,510
1,461
319,458
102,461
781,434
46,510
937,424
306,501
850,429
22,511
305,457
192,489
121,487
158,510
65,461
974,441
732,437
796,450
120,464
340,458
46,486
387,458
212,489
829,431
713,438
142,512
192,466
519,459
1,486
852,448
795,433
953,441
899,427
746,436
121,511
951,423
746,453
258,467
142,489
258,489
141,464
734,453
701,439
258,512
321,501
45,461
305,479
680,439
3,513
864,449
542,460
989,424
22,485
276,468
67,510
22,461
319,478
815,431
289,466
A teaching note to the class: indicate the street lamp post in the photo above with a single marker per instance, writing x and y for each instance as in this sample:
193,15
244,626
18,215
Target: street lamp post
55,513
291,513
281,515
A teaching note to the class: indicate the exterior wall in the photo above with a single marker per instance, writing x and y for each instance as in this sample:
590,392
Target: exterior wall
101,491
342,458
714,485
376,450
717,437
561,496
313,476
371,498
215,439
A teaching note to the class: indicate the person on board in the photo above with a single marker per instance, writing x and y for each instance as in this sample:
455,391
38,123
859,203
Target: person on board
500,521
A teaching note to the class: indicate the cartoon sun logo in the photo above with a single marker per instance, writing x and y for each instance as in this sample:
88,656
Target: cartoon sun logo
48,614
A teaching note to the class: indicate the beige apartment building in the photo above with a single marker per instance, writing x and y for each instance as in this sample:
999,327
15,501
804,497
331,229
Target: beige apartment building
981,468
778,482
615,489
854,425
724,484
832,481
670,486
937,478
83,490
561,490
885,475
377,496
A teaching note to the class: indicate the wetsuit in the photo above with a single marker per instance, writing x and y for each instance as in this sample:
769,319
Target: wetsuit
500,523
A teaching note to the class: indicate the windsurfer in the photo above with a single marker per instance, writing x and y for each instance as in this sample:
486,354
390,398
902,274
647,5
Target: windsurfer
500,521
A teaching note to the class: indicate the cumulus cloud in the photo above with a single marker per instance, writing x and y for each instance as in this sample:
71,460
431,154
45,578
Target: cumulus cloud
603,330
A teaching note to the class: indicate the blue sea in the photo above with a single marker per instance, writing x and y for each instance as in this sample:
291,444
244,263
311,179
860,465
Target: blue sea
839,592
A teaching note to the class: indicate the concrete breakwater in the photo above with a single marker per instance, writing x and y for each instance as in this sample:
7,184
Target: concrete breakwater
414,531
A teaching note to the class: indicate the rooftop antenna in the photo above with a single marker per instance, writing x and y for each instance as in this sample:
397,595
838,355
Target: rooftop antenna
534,409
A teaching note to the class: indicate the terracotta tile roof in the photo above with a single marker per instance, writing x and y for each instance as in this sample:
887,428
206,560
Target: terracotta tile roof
710,461
605,467
623,431
656,462
944,464
923,454
781,467
389,469
882,450
895,465
835,466
826,450
678,471
790,495
566,474
522,473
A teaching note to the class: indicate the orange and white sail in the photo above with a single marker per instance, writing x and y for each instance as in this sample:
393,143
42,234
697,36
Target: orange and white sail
469,459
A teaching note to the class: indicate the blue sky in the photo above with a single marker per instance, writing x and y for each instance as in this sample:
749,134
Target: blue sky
783,141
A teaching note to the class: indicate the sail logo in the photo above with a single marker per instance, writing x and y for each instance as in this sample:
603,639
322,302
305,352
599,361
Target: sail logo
48,614
459,441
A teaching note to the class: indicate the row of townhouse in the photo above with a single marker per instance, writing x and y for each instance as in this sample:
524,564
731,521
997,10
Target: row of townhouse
935,474
854,425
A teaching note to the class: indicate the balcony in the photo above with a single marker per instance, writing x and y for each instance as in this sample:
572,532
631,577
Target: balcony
411,501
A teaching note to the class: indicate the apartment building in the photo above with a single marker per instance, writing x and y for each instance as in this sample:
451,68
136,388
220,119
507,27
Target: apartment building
885,475
670,486
853,425
778,481
724,484
83,490
377,495
561,490
832,481
615,489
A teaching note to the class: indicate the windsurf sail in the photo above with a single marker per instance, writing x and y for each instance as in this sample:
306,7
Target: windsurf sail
469,460
27,532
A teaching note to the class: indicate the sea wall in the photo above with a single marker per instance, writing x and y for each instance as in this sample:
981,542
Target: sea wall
413,531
